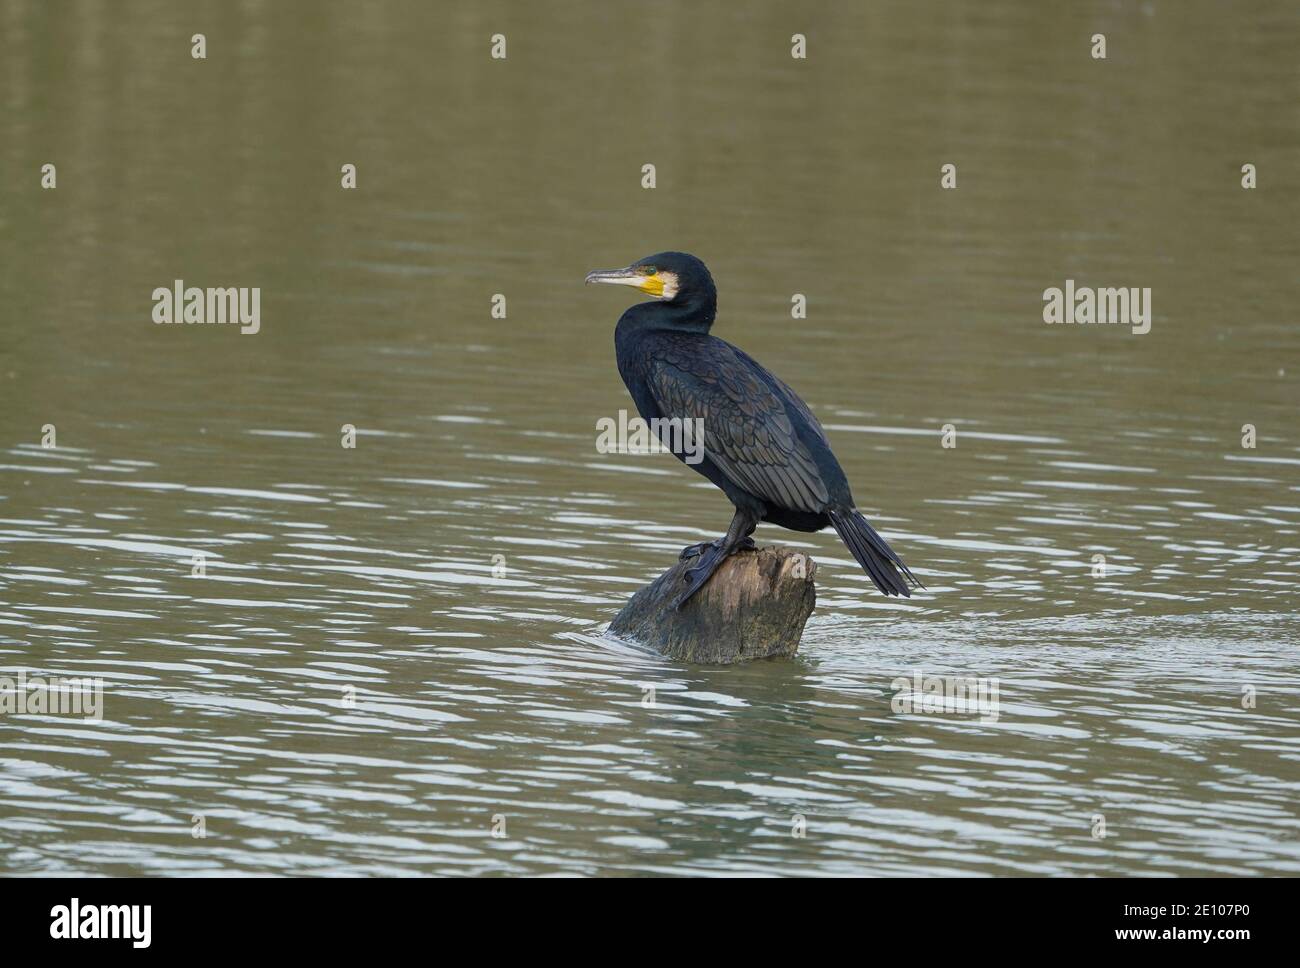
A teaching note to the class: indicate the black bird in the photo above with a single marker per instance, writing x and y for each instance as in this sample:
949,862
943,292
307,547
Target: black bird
762,445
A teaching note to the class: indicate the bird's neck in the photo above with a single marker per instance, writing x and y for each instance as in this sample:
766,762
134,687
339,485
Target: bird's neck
695,315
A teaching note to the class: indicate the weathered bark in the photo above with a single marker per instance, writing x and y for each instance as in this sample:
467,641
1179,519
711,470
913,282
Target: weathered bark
754,607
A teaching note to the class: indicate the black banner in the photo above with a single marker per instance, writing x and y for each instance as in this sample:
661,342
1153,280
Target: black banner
336,916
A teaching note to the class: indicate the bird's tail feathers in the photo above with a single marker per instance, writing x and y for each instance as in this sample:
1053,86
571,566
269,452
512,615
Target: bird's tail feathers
873,553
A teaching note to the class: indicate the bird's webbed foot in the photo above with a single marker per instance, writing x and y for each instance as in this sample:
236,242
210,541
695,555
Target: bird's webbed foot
702,571
695,550
711,555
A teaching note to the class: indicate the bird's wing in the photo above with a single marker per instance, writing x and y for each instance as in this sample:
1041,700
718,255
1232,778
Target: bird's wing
792,400
749,429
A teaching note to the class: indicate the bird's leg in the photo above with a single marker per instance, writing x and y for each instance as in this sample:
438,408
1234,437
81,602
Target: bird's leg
714,553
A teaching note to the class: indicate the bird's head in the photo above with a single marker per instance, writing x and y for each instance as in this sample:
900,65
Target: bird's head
676,278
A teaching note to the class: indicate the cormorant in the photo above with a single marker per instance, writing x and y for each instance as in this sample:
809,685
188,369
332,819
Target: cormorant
762,445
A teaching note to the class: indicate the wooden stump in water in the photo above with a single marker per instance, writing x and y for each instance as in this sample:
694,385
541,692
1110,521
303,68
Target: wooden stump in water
754,607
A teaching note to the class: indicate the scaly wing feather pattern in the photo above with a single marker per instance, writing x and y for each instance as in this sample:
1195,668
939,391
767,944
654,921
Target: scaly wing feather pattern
748,433
792,399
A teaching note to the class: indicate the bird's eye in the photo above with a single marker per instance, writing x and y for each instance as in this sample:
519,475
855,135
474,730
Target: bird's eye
650,270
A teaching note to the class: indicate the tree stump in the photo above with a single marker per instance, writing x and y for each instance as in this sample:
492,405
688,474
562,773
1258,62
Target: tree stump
754,607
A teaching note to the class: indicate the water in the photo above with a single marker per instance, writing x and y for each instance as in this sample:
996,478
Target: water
484,698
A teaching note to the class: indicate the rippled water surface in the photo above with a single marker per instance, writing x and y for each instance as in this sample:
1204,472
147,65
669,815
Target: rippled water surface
397,649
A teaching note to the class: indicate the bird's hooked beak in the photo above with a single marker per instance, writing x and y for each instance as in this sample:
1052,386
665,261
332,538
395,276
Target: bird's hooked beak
635,276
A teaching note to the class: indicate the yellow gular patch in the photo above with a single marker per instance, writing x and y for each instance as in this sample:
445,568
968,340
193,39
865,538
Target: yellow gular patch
652,286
